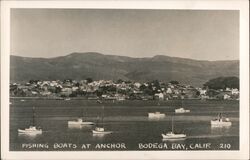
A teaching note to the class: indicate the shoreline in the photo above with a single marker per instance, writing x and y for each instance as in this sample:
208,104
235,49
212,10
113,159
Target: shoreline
84,98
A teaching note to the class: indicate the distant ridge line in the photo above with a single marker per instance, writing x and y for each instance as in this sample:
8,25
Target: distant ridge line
112,67
97,53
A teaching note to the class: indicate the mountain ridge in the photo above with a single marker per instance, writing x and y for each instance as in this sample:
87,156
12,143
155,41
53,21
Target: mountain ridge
99,66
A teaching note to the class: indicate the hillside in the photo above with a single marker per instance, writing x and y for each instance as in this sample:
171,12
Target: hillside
98,66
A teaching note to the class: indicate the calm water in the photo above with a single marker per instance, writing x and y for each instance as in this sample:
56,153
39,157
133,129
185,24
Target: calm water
129,122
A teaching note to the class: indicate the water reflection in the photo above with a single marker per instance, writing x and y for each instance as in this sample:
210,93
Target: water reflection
79,126
174,140
155,118
221,130
216,127
98,136
29,136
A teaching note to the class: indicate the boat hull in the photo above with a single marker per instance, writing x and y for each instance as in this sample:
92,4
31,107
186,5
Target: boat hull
101,132
80,123
221,123
182,111
153,115
21,131
175,136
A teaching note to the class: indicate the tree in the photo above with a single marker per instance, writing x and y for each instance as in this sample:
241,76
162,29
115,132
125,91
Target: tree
174,82
148,91
222,83
212,93
89,80
33,81
99,92
142,87
119,81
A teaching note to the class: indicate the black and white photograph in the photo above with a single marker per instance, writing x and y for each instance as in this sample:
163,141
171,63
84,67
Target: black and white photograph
125,79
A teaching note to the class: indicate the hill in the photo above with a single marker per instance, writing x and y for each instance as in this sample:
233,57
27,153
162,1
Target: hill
98,66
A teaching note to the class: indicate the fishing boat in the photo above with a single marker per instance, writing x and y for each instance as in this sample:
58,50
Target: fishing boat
80,121
181,110
221,122
101,129
156,115
172,135
32,128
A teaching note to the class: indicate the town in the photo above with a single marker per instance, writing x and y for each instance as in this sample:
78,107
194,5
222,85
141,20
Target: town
118,90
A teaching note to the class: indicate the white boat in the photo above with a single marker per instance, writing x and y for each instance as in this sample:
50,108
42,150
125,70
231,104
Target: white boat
79,121
156,115
181,110
221,122
22,100
67,99
172,135
32,128
101,130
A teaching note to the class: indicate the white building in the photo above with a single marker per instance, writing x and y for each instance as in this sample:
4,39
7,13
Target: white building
235,91
137,84
169,90
203,92
160,95
226,96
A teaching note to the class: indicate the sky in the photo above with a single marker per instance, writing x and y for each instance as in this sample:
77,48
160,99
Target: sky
196,34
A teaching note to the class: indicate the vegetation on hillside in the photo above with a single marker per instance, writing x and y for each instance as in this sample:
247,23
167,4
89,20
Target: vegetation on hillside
222,83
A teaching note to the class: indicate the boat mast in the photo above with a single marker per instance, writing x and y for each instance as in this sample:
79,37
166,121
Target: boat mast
82,114
102,116
33,116
172,125
181,103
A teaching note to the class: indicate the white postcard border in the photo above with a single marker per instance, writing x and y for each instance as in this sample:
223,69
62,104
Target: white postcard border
241,5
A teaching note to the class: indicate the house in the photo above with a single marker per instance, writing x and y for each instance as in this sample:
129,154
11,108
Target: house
235,91
204,96
45,93
137,84
75,88
66,91
202,91
169,91
160,96
226,96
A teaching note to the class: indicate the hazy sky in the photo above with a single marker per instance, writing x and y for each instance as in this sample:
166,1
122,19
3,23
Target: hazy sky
204,35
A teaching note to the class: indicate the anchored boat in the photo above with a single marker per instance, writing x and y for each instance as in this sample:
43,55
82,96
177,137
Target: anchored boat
221,122
101,129
80,121
181,110
32,128
156,115
172,135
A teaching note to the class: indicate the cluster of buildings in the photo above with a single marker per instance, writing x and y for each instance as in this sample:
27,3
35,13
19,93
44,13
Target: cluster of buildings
117,90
